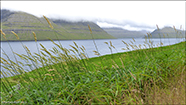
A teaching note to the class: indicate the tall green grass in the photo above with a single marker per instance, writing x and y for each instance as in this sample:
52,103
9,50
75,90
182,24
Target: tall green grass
69,76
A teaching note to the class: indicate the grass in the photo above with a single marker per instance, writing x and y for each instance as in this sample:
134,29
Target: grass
69,76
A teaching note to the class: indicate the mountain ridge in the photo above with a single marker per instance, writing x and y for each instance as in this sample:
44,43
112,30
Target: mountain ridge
123,33
23,24
168,32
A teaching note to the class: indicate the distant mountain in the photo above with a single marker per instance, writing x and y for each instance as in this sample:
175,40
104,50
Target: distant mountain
24,24
168,32
122,33
81,29
144,31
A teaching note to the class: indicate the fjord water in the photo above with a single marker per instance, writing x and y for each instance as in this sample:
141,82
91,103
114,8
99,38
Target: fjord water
88,44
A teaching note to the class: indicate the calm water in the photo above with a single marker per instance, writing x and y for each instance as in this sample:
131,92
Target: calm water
88,44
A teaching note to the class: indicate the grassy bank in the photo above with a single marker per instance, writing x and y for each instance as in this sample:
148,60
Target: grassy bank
69,76
122,78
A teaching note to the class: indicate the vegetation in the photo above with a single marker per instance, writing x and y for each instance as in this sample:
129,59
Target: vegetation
69,76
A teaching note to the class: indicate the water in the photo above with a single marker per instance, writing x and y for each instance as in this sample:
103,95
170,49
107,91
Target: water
88,44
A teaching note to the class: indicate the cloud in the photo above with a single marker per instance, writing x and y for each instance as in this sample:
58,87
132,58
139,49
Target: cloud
126,24
134,15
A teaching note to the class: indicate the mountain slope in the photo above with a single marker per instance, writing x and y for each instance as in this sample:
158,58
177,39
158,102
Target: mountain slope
81,29
122,33
168,32
24,24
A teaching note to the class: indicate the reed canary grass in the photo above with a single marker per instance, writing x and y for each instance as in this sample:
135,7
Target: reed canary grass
106,43
112,45
163,35
82,49
5,61
15,35
131,42
125,43
34,36
75,44
133,39
123,49
4,35
48,22
48,74
74,48
157,27
90,29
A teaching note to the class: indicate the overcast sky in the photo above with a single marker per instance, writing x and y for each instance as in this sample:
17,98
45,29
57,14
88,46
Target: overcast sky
131,15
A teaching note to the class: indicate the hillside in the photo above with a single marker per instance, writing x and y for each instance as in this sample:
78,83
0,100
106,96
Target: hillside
122,33
24,24
81,29
168,32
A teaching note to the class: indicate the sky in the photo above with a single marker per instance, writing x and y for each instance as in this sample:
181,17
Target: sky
131,15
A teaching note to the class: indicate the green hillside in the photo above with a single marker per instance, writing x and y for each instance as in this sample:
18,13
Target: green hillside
24,24
122,33
168,32
81,29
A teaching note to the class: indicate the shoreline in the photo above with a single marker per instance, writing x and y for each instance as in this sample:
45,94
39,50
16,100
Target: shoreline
72,39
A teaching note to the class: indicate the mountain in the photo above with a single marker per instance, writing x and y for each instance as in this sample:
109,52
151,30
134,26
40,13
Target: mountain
168,32
122,33
81,29
23,24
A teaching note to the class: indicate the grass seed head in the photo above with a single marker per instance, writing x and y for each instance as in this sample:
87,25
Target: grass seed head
72,51
163,35
123,49
112,45
48,22
2,33
15,35
34,36
134,40
74,48
48,74
27,49
75,44
157,27
140,46
106,43
161,43
90,29
96,53
83,55
83,47
131,42
125,43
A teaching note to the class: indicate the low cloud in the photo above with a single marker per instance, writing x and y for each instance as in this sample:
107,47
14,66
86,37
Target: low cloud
107,22
126,24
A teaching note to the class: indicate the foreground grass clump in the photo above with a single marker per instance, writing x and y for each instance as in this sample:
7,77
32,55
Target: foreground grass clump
69,76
